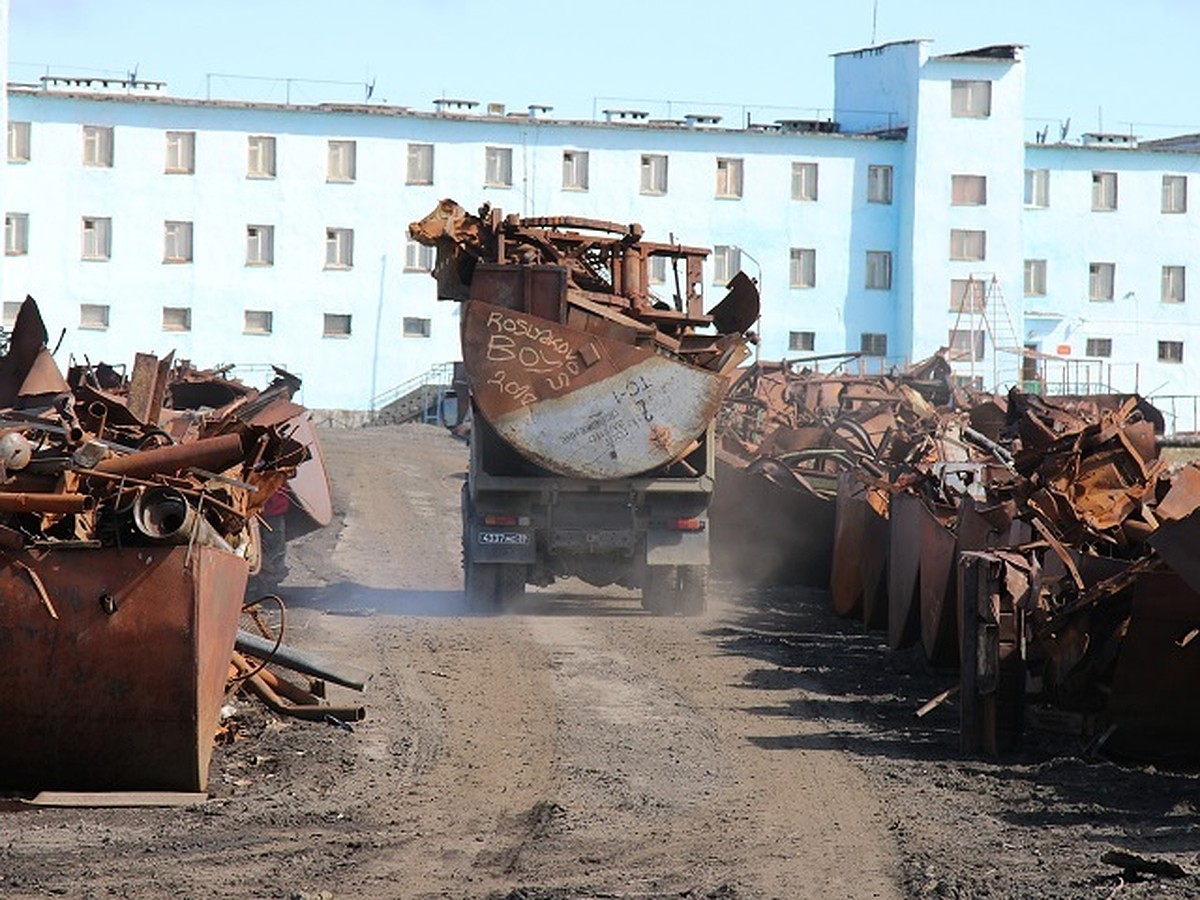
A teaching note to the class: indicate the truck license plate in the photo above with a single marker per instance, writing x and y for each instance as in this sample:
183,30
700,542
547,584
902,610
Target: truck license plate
503,537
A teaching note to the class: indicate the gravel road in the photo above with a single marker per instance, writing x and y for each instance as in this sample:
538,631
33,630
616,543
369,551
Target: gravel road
580,748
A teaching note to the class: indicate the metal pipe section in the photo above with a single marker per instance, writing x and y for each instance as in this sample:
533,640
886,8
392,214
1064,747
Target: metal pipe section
25,502
215,453
163,514
299,661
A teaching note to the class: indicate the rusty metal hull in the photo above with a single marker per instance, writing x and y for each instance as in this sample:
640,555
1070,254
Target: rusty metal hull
579,404
939,610
113,665
904,568
874,566
845,580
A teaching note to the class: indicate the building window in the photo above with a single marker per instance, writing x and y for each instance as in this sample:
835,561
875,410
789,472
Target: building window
804,181
497,167
1037,188
803,271
879,270
970,99
97,238
420,164
1099,347
260,161
967,244
18,142
803,341
176,318
872,344
16,234
657,269
729,177
654,173
575,170
418,328
1104,191
727,262
181,152
339,248
879,184
177,242
418,257
258,321
93,316
1173,286
1174,194
8,313
966,295
342,161
965,345
1035,278
1170,351
336,325
1101,277
260,245
968,190
98,145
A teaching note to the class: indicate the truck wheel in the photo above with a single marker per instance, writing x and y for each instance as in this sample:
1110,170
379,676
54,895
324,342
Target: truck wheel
660,591
481,582
510,585
693,590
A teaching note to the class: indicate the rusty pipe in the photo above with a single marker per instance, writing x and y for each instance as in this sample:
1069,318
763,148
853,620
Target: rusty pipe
32,502
215,453
315,712
163,514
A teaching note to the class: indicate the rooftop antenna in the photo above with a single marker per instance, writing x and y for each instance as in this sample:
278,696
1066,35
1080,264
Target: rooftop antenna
874,20
1063,129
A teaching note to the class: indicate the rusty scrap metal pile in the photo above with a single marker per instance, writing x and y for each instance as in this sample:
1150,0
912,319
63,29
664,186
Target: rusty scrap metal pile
1041,545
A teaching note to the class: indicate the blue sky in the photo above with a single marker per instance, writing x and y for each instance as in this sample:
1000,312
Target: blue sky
1114,64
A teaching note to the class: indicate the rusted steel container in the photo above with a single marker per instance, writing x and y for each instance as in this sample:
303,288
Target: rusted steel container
904,570
113,664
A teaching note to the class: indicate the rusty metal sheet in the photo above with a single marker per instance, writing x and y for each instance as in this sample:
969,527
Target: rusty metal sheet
874,568
309,486
939,616
904,567
845,580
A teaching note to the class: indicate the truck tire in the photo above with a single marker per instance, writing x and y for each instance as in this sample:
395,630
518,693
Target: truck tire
481,582
693,590
510,586
660,591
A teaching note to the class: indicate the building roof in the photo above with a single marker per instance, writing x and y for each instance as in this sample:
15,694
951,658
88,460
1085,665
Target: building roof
992,52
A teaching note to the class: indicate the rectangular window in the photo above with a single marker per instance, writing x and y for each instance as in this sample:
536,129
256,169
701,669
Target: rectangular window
803,341
258,321
1099,347
8,313
260,162
339,248
968,190
1170,351
418,257
418,328
342,161
970,99
1035,278
727,262
804,181
967,295
1173,286
177,242
497,167
967,244
575,170
1174,194
657,268
1101,277
336,325
872,344
965,345
654,173
420,164
729,177
97,237
18,141
16,234
98,145
181,152
260,245
1037,188
879,184
879,270
1104,191
93,316
803,272
176,318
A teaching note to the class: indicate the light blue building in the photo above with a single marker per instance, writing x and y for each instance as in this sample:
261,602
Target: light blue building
916,217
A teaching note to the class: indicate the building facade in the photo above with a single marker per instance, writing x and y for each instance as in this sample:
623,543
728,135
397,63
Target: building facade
917,218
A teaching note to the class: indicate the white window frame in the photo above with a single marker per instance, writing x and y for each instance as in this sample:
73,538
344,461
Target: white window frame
419,168
177,242
339,248
802,268
968,190
181,153
1174,284
879,184
965,345
654,173
878,270
729,177
1102,279
19,141
98,146
97,238
727,262
418,257
16,234
968,244
873,343
970,98
342,165
1104,191
1037,188
1174,193
1170,352
93,316
967,295
497,167
1035,278
804,181
176,318
1098,347
258,321
260,156
575,170
802,341
260,245
416,327
336,325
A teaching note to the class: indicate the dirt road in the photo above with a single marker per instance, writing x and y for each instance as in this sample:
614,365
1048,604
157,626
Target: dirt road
580,748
